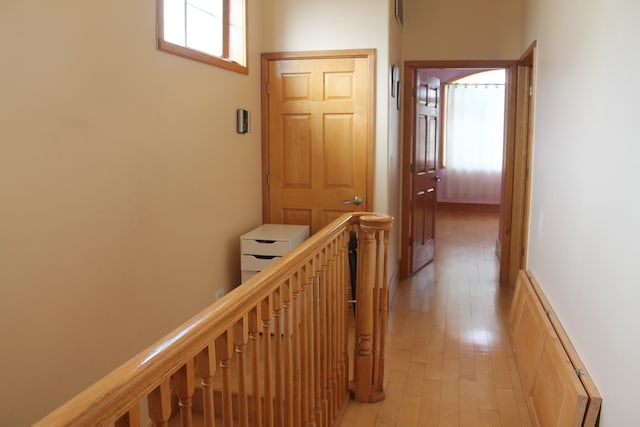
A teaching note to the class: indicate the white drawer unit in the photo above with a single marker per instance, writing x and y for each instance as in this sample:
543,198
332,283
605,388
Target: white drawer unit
266,244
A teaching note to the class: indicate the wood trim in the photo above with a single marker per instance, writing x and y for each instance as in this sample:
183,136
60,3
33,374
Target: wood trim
266,58
514,229
202,57
452,63
226,22
320,54
505,230
266,167
468,207
408,111
518,224
371,131
529,58
442,119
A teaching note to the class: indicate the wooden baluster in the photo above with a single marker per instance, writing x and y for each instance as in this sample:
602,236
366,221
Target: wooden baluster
306,280
266,307
325,338
184,387
288,359
131,418
345,280
340,301
337,310
206,364
254,339
159,403
331,331
224,353
357,284
384,309
317,343
365,316
277,341
336,306
349,311
377,287
297,344
240,338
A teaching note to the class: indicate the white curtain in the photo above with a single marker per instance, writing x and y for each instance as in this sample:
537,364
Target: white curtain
474,140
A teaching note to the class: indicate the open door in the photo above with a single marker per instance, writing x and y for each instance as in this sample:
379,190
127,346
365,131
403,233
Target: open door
423,176
515,209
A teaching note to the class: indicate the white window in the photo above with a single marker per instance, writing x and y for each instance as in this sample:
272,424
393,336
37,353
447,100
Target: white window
474,123
210,31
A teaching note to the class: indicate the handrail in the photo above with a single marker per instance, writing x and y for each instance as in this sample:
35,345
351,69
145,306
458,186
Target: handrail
283,311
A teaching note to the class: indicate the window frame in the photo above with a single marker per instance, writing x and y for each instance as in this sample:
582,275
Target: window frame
234,57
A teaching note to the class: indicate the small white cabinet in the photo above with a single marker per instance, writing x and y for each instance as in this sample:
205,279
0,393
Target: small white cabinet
266,244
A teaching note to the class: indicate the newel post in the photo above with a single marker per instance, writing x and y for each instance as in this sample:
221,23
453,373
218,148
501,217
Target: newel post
372,289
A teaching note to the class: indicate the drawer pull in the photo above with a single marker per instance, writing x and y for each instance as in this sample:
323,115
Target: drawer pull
268,242
264,256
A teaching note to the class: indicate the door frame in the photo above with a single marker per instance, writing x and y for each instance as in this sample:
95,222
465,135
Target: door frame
266,59
515,259
510,174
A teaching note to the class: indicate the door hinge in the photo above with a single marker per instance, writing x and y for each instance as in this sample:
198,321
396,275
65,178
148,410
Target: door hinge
526,173
414,92
268,179
410,241
268,87
530,90
412,168
521,251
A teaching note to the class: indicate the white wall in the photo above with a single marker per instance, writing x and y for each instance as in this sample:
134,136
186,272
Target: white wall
297,25
117,221
585,219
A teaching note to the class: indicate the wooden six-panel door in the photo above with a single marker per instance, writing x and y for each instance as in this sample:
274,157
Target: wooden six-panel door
423,171
320,142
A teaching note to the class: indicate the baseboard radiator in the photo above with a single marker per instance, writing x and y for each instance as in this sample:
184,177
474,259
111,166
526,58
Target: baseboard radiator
558,388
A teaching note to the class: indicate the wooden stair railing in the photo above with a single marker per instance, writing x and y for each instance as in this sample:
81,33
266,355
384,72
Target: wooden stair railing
273,352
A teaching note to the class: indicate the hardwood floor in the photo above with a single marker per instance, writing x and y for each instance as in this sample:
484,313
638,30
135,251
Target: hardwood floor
449,360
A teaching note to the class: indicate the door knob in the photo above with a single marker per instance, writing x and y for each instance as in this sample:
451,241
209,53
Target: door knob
356,201
436,178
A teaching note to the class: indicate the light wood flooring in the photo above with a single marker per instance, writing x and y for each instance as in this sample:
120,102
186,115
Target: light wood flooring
449,360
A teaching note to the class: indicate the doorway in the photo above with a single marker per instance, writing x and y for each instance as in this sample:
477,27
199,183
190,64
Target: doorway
318,135
511,239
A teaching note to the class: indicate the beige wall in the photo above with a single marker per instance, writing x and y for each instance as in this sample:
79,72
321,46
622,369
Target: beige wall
584,217
394,149
462,29
123,190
